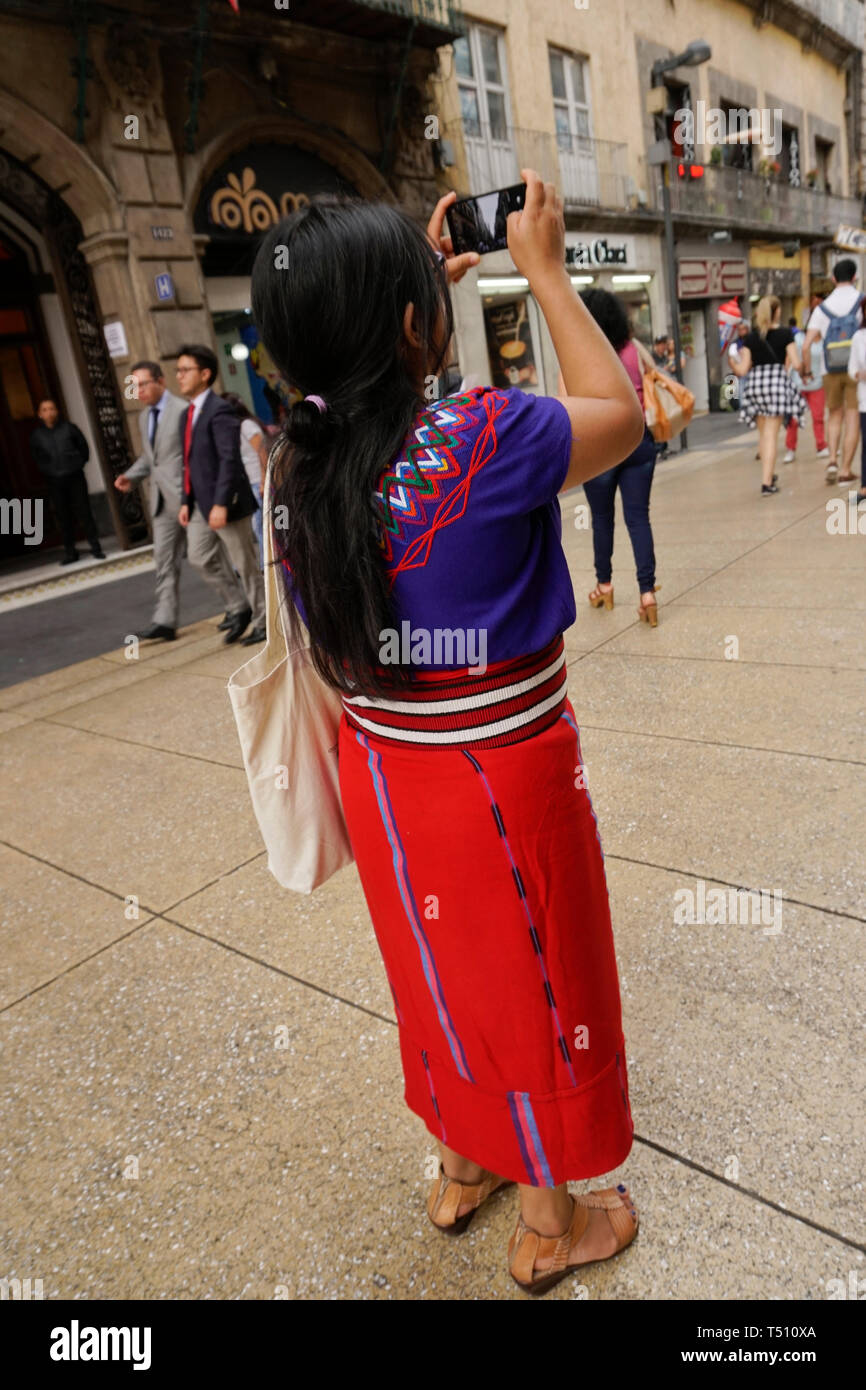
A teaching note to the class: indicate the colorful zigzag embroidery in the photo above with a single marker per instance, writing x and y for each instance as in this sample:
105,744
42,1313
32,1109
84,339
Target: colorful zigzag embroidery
411,491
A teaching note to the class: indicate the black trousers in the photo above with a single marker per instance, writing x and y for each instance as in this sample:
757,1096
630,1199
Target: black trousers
72,505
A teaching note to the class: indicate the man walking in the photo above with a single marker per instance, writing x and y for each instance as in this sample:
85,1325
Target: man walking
835,322
61,451
161,459
217,497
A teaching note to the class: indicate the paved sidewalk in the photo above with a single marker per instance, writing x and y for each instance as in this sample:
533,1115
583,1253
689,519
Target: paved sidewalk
200,1072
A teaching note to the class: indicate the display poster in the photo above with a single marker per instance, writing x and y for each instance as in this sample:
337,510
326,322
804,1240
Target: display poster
509,344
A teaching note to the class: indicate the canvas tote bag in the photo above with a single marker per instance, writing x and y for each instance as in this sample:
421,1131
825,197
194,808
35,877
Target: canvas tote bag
288,721
668,405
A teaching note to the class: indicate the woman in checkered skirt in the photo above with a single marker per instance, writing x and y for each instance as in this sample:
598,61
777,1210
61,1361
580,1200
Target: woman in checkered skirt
766,357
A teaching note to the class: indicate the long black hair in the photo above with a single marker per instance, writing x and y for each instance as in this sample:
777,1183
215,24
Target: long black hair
610,315
330,287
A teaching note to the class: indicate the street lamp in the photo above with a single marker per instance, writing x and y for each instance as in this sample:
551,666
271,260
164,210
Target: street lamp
696,53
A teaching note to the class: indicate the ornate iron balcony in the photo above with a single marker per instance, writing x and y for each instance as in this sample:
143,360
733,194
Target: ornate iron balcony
740,198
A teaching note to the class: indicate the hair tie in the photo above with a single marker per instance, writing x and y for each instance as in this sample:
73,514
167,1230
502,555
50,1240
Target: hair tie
317,402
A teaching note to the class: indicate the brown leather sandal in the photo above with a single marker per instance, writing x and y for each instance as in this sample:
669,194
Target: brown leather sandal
448,1195
527,1245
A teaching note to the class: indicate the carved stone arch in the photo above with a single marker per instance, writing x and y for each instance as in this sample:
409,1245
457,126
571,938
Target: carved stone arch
327,144
61,164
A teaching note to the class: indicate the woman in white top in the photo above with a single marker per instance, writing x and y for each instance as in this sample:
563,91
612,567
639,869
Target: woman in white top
254,454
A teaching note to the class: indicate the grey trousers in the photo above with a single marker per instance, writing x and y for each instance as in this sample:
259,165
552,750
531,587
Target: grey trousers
169,546
237,546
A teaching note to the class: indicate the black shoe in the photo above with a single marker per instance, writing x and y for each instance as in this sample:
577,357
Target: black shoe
156,631
258,634
98,554
225,624
239,623
768,491
71,559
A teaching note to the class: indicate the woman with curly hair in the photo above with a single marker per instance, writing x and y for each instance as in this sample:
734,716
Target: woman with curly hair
633,476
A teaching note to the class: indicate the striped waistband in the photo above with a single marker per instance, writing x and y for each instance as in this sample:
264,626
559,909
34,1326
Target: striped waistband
511,702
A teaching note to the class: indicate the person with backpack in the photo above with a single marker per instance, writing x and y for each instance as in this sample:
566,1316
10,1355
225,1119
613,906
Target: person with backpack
766,357
813,390
834,323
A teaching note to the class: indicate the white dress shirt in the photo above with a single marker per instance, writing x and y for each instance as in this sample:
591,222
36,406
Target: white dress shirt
197,402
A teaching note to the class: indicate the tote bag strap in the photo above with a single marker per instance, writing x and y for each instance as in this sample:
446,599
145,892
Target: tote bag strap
277,640
645,358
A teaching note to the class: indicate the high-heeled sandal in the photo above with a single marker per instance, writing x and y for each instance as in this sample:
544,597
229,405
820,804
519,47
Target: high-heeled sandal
649,612
447,1196
526,1245
602,596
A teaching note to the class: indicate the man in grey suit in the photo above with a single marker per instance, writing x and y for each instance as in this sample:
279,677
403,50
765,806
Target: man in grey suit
161,459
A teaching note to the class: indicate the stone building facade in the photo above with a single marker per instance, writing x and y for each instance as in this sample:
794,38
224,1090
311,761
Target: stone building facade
141,153
566,89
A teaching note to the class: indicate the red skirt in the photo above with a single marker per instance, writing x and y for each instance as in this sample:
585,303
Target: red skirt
484,876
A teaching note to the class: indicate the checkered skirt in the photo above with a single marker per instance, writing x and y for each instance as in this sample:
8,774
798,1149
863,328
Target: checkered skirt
769,390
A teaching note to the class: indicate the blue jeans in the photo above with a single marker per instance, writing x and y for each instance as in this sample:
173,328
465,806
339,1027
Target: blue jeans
257,522
633,477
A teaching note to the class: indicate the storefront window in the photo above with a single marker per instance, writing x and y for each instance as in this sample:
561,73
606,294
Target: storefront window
511,342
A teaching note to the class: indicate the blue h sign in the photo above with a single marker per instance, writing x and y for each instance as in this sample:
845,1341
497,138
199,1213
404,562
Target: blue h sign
164,286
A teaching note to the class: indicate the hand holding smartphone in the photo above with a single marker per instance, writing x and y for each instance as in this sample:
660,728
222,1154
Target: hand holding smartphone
480,224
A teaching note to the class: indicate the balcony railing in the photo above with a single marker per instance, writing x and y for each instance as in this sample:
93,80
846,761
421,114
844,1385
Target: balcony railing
738,197
587,172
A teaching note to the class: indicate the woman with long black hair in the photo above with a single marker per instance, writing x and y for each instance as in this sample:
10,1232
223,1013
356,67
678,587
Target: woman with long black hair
410,517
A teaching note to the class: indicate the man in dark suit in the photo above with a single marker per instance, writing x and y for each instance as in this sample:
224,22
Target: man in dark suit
216,491
61,451
161,460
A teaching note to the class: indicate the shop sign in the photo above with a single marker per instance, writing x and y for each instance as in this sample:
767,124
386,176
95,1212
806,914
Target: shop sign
600,253
710,279
258,186
240,206
851,238
771,280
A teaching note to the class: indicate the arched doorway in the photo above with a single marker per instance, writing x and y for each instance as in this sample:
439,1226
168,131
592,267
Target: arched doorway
27,375
51,343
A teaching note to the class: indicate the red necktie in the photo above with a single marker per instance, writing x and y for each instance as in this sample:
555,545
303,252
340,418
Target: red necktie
187,441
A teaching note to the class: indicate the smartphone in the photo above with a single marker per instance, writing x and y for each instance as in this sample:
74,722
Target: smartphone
478,224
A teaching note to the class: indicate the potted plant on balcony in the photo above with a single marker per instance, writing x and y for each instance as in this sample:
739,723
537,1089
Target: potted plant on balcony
811,178
769,168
